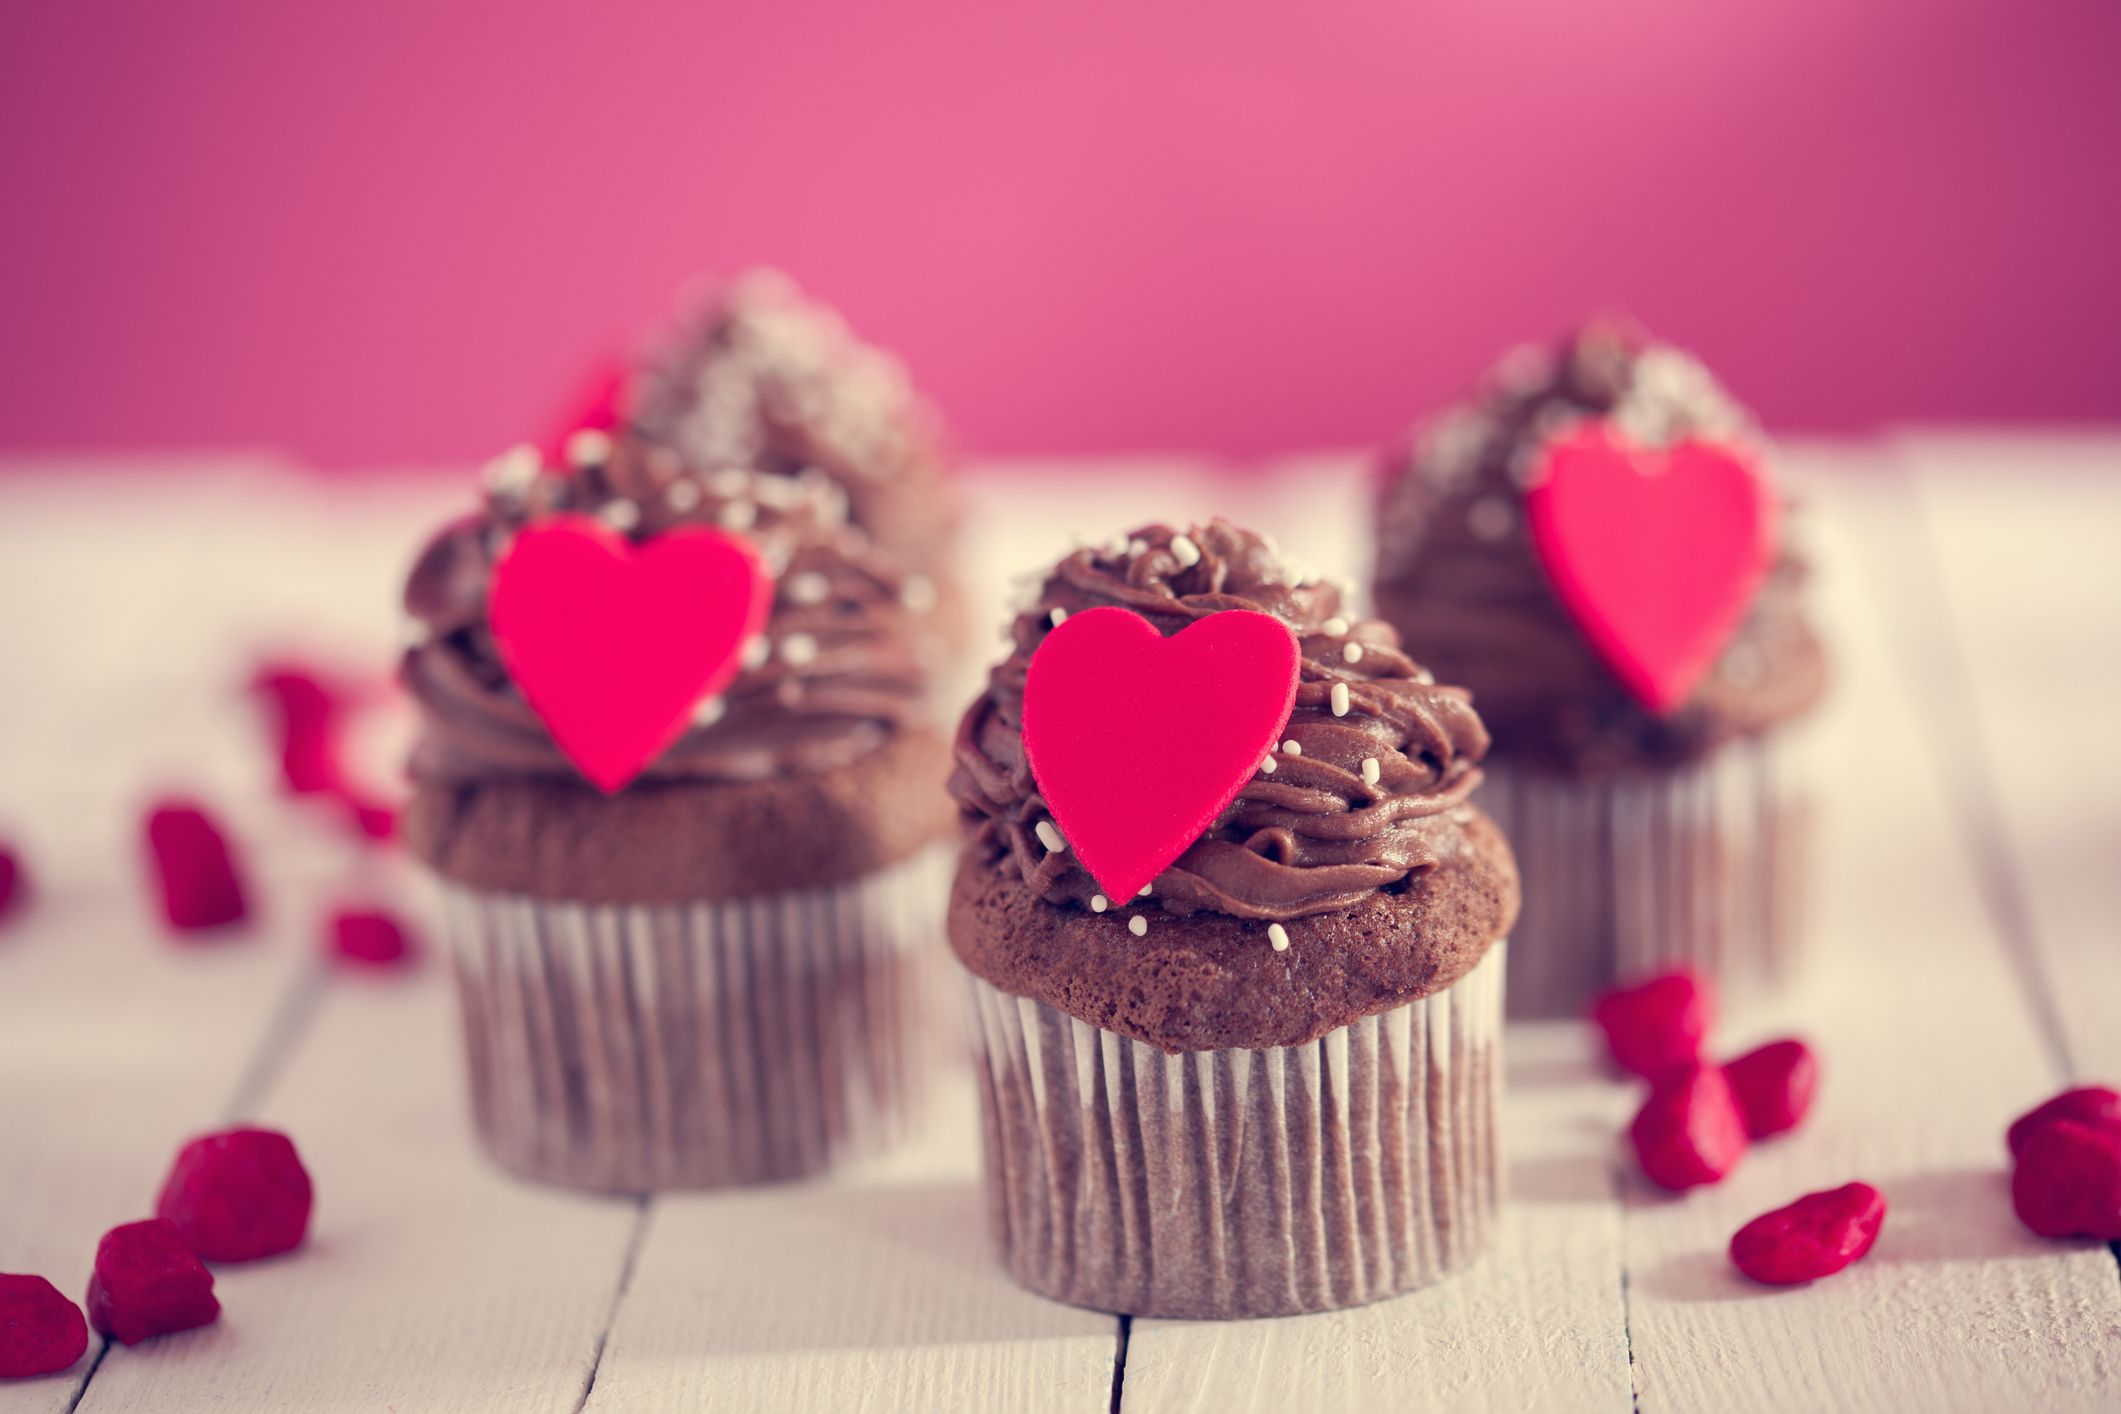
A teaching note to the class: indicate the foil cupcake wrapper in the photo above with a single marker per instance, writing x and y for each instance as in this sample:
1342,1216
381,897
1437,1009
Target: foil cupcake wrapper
629,1048
1704,867
1243,1183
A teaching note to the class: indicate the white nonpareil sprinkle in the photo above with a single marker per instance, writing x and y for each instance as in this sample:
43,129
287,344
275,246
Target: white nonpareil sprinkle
1138,926
1340,699
682,495
1188,553
511,473
809,587
1050,837
1116,546
917,594
1137,546
1334,626
1351,653
1099,903
756,652
1266,766
1145,889
588,447
1292,747
1058,617
738,516
1369,770
621,514
1279,936
798,650
708,710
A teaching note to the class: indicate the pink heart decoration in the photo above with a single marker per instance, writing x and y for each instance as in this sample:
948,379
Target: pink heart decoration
613,644
1139,741
1655,552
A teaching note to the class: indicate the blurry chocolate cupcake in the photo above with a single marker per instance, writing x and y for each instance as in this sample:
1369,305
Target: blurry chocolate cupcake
696,964
1265,1081
1593,544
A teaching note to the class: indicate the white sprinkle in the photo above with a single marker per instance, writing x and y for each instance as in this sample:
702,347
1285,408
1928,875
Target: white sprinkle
1050,837
1267,766
729,481
1188,553
1145,889
1369,770
621,514
1058,617
709,710
738,516
588,447
1337,627
1351,653
1137,546
1116,546
511,473
682,495
1340,699
1099,903
809,587
1490,519
756,652
1425,678
798,650
917,594
1279,936
1138,926
1292,747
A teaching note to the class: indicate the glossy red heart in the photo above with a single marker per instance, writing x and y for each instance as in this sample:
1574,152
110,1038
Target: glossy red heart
614,643
1138,741
1655,552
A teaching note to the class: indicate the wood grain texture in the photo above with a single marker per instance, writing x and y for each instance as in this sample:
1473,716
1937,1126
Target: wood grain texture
1927,1050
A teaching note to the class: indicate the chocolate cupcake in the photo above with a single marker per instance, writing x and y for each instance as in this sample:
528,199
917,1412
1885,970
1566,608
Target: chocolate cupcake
1264,1082
697,964
1593,544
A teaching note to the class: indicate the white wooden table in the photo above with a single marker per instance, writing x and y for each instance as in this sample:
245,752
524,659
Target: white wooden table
1968,962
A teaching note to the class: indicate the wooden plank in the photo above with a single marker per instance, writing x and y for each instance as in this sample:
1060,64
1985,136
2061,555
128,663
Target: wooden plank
1927,1049
2027,539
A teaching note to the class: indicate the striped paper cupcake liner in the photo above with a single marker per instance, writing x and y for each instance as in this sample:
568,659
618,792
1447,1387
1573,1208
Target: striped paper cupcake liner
1243,1182
627,1048
1702,867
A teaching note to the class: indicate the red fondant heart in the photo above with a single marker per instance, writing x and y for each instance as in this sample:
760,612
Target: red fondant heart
612,643
1138,741
1656,553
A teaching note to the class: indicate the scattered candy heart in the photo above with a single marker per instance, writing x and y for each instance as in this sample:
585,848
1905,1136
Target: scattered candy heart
614,644
2068,1181
1182,721
368,936
148,1283
1658,1027
305,711
2094,1105
237,1195
1689,1131
1655,552
1773,1086
377,822
193,868
40,1330
1814,1237
12,881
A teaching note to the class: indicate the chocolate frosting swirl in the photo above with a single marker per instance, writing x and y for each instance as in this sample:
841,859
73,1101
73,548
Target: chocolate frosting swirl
1312,836
844,661
1457,573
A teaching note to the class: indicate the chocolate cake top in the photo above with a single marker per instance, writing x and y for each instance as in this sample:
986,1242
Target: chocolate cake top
844,661
1319,831
1458,575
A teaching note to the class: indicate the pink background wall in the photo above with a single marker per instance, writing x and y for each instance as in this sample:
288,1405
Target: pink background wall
393,232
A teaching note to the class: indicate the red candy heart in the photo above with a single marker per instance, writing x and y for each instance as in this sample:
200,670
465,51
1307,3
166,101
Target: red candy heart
368,936
2068,1181
304,710
1689,1131
193,868
2094,1105
1814,1237
40,1330
1655,552
1658,1027
148,1283
1139,741
614,644
1773,1086
237,1195
11,880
